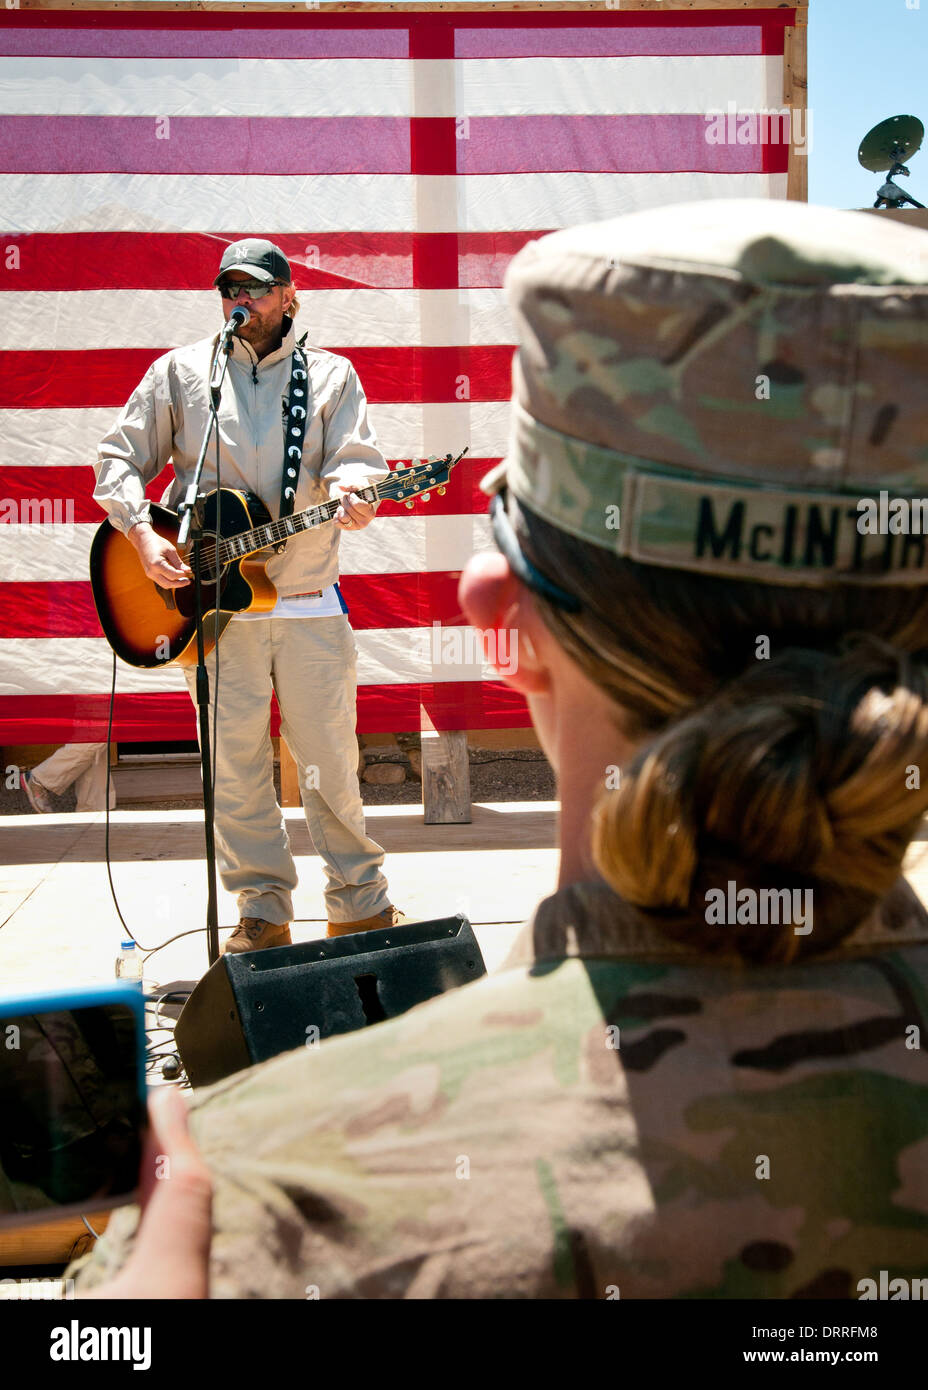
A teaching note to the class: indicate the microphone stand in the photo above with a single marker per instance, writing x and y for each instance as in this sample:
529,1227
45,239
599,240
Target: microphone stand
191,525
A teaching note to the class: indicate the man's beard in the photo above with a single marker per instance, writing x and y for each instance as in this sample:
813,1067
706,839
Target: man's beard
264,338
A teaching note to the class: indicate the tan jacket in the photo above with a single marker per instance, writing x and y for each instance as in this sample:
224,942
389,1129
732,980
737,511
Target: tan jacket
165,418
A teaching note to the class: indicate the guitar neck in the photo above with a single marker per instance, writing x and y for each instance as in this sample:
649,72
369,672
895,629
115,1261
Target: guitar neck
247,542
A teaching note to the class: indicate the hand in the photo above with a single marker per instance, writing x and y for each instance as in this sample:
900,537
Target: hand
160,560
171,1254
353,514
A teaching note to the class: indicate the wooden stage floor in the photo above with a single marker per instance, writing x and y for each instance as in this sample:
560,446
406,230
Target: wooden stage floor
58,926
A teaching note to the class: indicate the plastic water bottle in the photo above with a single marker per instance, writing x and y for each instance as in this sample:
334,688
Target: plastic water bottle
128,962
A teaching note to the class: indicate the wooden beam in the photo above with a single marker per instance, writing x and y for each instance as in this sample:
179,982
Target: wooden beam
368,6
915,217
445,777
289,777
796,99
56,1241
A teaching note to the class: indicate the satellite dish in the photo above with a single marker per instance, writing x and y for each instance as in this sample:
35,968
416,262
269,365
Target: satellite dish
898,138
885,147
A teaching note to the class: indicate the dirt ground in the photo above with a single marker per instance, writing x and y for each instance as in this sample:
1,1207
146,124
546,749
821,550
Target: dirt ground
520,774
523,774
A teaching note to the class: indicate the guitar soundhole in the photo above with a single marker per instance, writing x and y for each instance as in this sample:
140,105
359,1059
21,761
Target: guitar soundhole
209,570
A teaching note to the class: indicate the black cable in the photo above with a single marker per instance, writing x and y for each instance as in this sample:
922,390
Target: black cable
109,867
147,951
215,748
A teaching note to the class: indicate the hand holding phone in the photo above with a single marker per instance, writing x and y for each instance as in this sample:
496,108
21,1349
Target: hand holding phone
72,1098
74,1137
170,1258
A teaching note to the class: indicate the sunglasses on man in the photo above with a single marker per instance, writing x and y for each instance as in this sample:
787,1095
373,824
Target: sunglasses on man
255,289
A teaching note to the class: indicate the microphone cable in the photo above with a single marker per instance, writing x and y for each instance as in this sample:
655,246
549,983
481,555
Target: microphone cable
146,950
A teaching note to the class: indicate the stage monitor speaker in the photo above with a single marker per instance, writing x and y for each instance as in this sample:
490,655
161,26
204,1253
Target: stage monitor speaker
256,1004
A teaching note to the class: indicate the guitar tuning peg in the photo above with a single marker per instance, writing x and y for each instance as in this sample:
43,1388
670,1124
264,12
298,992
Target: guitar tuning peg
442,491
426,497
410,505
400,467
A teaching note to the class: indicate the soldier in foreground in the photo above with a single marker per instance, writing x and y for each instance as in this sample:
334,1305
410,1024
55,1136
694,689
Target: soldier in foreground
701,1071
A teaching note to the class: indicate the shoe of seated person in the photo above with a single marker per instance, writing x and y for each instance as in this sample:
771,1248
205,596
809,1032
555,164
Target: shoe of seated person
389,917
254,934
39,797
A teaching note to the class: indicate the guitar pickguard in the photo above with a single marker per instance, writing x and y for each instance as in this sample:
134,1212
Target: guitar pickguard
241,511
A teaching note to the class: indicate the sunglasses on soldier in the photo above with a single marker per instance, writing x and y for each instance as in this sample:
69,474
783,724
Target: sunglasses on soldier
521,566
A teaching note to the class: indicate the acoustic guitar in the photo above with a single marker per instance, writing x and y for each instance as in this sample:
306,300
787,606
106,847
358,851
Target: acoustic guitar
147,625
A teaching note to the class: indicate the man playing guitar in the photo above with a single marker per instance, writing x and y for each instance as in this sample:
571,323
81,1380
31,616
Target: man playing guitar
294,431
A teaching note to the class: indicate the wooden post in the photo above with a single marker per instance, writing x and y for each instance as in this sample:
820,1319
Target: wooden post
796,98
445,775
445,779
289,777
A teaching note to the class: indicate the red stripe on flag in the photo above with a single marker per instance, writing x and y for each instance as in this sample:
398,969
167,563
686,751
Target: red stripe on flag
383,145
778,16
190,260
31,494
205,145
106,40
433,145
58,609
66,380
612,144
432,36
623,36
633,37
66,608
151,717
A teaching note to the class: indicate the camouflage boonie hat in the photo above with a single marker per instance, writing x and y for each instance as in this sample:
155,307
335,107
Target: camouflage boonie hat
735,387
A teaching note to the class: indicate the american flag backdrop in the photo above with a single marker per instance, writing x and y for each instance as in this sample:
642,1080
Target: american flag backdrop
399,159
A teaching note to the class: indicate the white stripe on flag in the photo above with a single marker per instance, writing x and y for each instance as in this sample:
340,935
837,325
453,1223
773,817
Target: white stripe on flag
606,86
363,202
412,544
164,319
386,656
33,438
161,87
308,87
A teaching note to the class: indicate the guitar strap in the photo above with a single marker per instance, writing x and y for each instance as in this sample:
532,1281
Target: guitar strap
295,431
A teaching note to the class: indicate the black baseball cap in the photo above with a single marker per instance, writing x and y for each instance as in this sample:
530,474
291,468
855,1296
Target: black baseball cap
262,259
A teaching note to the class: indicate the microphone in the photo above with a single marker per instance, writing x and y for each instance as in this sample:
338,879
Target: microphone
236,320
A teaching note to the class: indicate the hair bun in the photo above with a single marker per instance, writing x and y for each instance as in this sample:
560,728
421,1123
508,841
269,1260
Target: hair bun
792,775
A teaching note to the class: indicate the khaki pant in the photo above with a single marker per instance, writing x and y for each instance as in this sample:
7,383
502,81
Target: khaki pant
310,663
84,764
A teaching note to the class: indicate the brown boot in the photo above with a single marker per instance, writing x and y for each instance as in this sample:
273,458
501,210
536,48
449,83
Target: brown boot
390,917
254,934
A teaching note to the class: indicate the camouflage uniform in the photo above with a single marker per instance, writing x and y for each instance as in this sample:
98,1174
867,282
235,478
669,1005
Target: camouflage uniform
593,1118
613,1114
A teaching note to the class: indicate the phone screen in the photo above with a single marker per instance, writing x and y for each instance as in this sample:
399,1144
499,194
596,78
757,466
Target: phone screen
71,1108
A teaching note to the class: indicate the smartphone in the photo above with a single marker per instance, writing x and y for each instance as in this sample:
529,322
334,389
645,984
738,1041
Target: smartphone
73,1107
